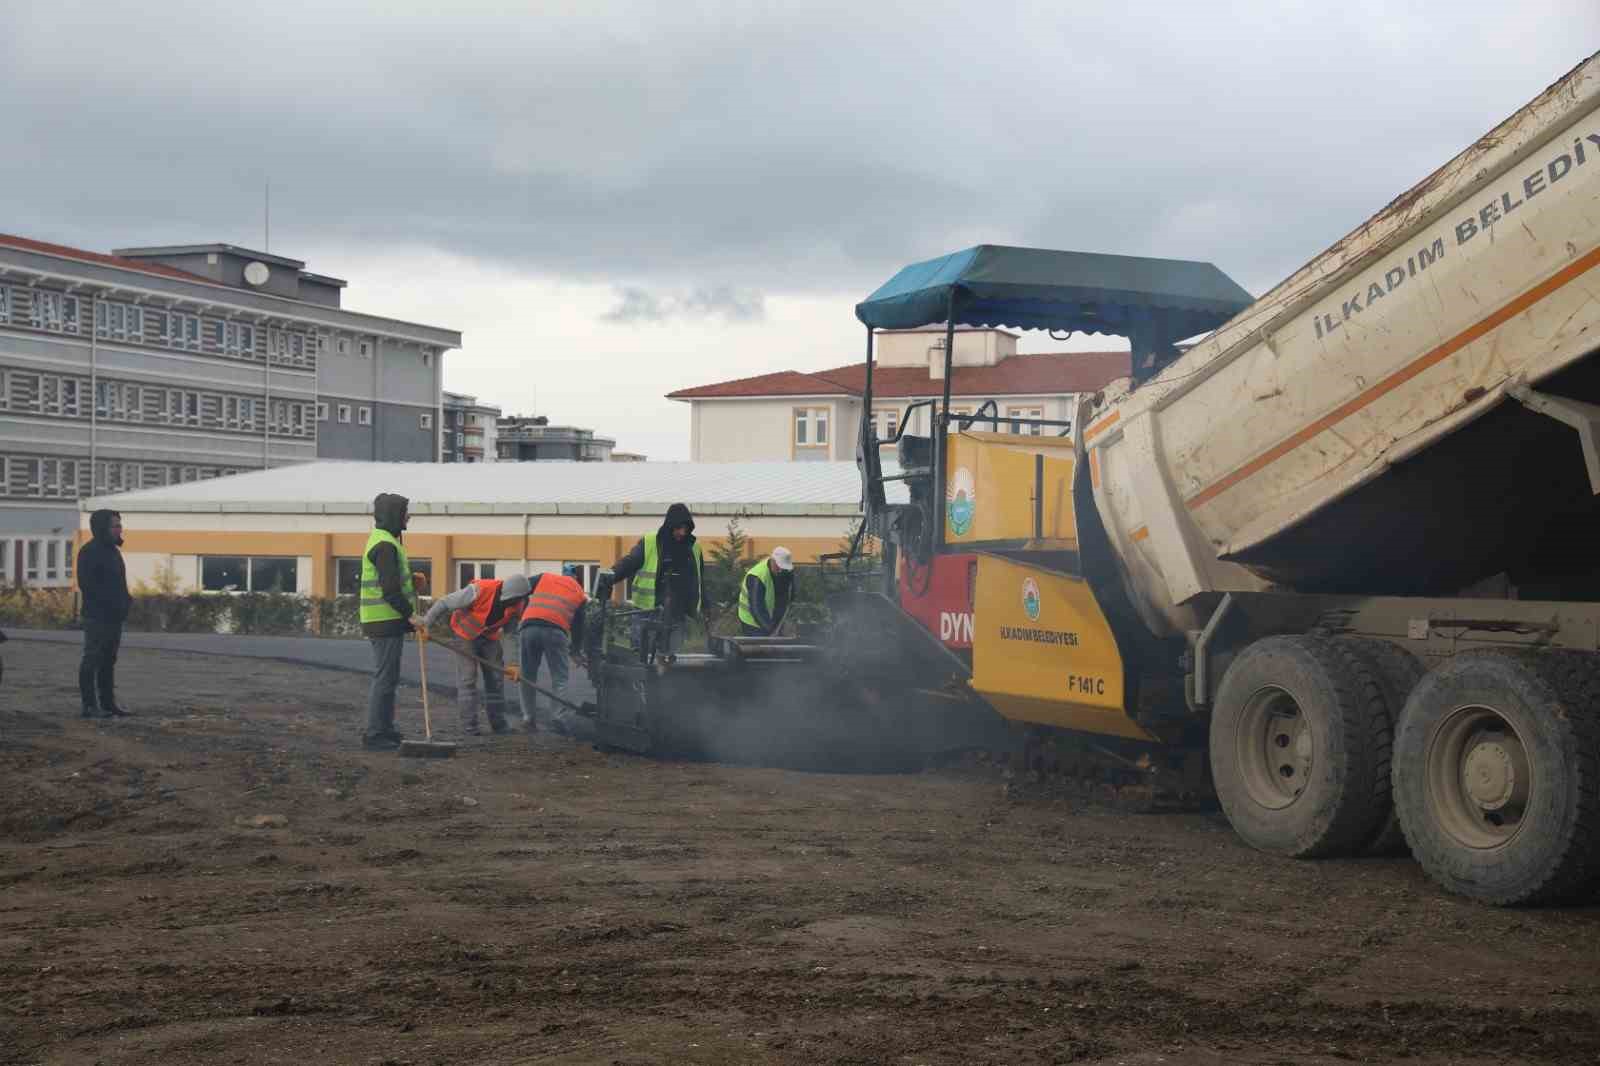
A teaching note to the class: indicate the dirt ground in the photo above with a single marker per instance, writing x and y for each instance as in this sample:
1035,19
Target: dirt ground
541,902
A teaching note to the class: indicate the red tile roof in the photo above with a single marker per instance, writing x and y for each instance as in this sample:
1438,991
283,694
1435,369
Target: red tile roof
64,252
1018,375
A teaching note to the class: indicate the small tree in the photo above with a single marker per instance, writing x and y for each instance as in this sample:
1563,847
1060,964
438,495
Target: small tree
727,563
164,582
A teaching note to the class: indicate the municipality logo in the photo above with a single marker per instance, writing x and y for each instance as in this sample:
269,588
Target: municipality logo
961,501
1030,598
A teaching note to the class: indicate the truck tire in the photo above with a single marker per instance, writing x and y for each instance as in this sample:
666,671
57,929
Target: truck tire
1299,747
1398,671
1497,775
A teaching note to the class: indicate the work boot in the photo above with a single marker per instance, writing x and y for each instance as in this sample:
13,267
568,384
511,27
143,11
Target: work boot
471,728
498,725
382,742
530,723
111,710
91,711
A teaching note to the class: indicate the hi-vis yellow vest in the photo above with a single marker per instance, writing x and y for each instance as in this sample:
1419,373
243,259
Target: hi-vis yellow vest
644,582
762,571
374,608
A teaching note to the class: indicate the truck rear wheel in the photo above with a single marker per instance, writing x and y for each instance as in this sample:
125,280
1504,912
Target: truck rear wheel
1398,671
1497,775
1299,747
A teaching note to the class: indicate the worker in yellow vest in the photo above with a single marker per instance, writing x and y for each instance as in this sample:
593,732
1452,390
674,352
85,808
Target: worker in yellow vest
666,568
479,612
765,594
388,614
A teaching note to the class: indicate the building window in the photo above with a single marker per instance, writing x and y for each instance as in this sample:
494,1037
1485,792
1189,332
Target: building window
461,439
364,416
46,309
427,420
342,346
365,345
1031,429
587,572
885,422
468,572
224,573
274,575
322,410
347,577
237,573
811,427
427,356
344,413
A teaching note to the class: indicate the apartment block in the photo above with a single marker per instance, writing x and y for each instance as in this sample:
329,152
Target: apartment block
156,366
468,434
521,438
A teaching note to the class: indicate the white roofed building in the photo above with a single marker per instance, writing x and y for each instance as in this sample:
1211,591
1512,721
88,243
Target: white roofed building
302,528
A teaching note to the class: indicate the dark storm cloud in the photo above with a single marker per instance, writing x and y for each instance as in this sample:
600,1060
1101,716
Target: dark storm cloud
696,155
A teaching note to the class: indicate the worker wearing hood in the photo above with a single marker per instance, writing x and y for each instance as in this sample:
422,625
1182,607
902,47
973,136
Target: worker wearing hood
666,568
103,581
388,614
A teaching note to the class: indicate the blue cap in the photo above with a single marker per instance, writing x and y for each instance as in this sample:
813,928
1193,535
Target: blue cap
571,570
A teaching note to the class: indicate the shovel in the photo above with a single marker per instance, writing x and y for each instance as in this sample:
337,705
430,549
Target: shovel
430,748
514,674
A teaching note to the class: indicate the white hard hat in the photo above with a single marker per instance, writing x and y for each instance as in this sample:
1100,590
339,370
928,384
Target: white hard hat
782,559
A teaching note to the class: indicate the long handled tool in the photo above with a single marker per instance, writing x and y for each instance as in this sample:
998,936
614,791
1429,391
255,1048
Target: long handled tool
514,674
430,748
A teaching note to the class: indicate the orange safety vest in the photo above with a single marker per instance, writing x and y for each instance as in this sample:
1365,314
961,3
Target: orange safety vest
556,599
470,623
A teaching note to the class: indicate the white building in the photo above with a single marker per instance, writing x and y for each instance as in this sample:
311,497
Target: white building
816,416
302,529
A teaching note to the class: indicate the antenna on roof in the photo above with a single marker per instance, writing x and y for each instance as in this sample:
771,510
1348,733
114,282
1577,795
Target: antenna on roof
266,239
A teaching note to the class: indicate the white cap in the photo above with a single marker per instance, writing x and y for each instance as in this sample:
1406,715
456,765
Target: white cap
515,587
782,559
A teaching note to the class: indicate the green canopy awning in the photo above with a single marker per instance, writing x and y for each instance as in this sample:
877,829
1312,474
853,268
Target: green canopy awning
1154,302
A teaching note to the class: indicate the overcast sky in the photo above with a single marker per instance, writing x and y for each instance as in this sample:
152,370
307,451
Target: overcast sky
614,200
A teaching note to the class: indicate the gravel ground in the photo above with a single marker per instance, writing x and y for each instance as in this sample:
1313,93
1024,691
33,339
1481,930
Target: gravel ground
228,878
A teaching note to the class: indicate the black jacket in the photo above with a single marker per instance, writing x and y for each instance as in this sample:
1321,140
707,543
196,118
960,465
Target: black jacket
389,514
782,590
678,583
102,577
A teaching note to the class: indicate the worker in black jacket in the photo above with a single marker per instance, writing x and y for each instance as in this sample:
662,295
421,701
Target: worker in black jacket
388,614
666,568
103,580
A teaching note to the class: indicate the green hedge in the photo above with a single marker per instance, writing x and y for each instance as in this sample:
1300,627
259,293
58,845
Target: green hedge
246,613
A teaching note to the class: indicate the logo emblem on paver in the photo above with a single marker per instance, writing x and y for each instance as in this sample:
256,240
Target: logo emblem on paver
1030,598
961,501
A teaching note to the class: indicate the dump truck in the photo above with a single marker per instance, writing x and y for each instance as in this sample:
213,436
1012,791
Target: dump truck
1330,553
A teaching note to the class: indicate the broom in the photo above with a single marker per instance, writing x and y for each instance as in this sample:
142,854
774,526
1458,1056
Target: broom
429,748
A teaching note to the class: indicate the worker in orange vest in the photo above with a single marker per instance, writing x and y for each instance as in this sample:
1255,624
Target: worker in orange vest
552,625
479,613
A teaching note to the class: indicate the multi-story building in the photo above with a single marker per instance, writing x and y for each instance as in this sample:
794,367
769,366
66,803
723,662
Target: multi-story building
468,431
816,417
527,439
153,366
